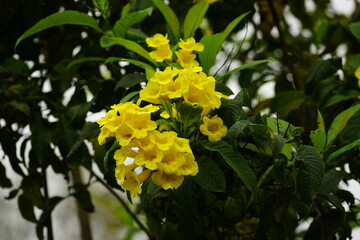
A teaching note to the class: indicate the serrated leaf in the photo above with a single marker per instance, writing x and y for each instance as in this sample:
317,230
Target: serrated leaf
60,18
230,27
339,123
334,201
122,25
310,172
212,46
194,18
342,150
26,208
210,176
130,80
170,17
242,67
236,161
331,180
132,46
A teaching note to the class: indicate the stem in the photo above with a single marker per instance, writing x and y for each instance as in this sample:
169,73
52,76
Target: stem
284,47
82,214
127,209
48,224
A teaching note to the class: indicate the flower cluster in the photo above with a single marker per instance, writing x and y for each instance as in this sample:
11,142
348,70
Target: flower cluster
145,150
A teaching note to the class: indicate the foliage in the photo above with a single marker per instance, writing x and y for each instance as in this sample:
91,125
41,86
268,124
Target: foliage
274,162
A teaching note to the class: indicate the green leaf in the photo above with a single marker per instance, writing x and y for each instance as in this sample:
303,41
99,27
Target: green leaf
83,60
339,123
286,102
336,98
194,18
26,208
310,173
132,46
322,69
122,25
170,17
232,25
78,112
83,197
318,139
103,6
129,60
210,176
60,18
244,66
280,126
189,114
212,46
129,96
40,142
279,143
236,161
320,121
342,150
355,29
21,106
130,80
331,180
236,129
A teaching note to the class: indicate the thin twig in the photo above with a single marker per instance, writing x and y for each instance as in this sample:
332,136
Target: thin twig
284,47
127,209
48,224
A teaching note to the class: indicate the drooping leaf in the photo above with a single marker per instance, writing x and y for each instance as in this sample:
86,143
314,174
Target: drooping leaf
242,67
230,27
339,123
170,17
334,201
60,18
210,176
129,60
236,161
26,208
132,46
123,24
194,18
310,172
212,46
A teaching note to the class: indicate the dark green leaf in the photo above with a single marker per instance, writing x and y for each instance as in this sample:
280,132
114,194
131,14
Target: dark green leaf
322,69
279,143
194,18
331,180
83,197
60,18
4,180
26,208
132,61
129,96
212,46
130,80
210,176
310,173
334,99
342,150
236,161
236,129
355,29
122,25
333,200
284,103
90,130
83,60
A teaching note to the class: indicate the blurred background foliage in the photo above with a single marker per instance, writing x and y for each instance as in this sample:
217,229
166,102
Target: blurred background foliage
47,107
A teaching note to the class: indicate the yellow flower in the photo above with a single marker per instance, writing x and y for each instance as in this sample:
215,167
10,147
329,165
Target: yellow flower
166,76
186,59
140,125
149,158
162,52
357,74
191,45
213,128
163,140
190,166
167,181
173,89
151,93
121,170
133,182
157,40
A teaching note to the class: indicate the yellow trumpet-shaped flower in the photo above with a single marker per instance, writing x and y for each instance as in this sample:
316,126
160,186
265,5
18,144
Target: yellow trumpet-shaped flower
213,128
162,52
167,181
357,74
166,76
133,182
191,45
157,40
149,158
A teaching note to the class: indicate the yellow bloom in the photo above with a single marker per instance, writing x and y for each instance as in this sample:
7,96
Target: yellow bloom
121,170
357,74
166,76
104,134
173,89
149,158
133,182
189,167
167,181
213,128
186,59
140,125
191,45
157,40
163,140
162,52
124,152
151,93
